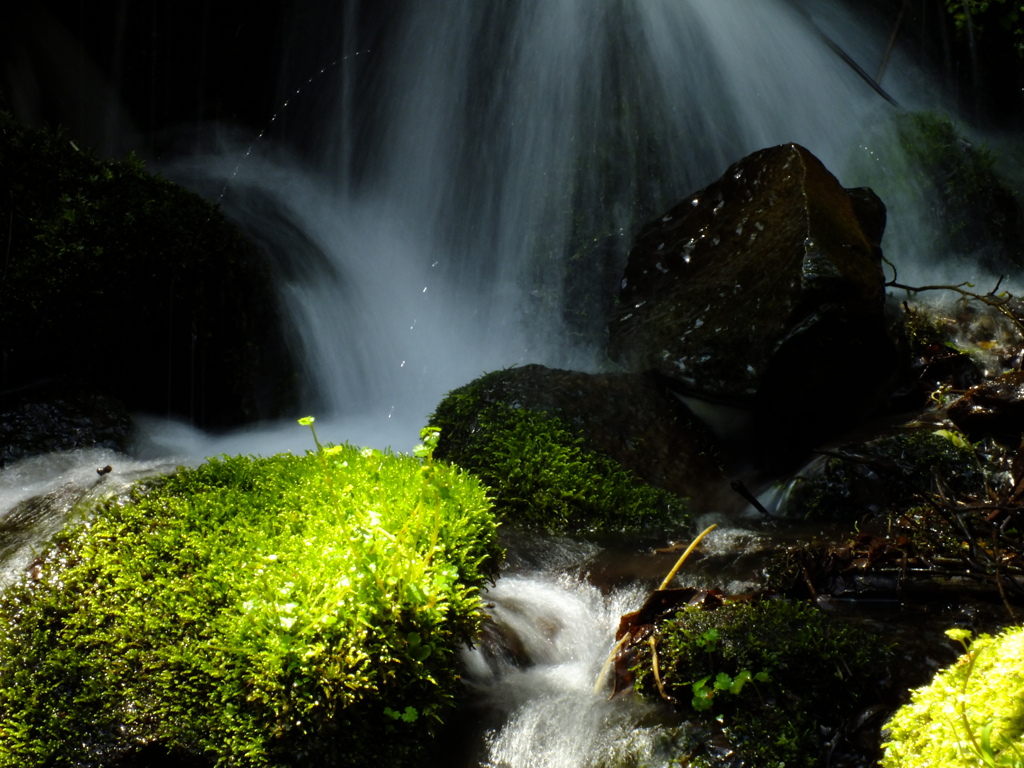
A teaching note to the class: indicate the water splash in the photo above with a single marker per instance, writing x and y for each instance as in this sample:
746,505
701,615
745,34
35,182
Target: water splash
553,635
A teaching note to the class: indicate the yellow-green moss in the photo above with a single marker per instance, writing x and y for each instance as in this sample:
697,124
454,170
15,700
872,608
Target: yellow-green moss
251,612
945,721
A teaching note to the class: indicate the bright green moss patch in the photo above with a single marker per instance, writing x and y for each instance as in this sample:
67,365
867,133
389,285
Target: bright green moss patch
542,474
775,680
971,714
254,612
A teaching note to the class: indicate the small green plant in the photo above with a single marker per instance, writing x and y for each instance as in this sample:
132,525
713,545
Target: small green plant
704,690
772,676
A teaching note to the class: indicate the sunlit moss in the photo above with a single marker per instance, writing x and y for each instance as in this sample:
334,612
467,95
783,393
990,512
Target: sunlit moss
253,612
971,710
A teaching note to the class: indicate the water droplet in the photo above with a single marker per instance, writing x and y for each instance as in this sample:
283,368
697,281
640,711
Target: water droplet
666,218
695,202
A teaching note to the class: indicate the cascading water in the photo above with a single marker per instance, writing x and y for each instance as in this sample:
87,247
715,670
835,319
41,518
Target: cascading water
470,203
561,629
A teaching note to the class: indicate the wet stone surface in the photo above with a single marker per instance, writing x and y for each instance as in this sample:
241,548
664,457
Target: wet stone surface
763,289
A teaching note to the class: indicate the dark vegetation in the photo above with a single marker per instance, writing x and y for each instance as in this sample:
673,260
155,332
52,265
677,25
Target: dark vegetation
124,284
769,682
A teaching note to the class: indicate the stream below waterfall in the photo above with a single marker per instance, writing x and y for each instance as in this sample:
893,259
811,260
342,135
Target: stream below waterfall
536,693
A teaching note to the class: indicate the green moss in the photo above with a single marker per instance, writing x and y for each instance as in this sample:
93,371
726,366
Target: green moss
542,475
890,473
975,702
922,332
254,612
772,675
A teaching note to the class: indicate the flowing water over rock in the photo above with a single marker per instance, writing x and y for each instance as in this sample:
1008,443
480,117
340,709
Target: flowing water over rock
552,636
476,178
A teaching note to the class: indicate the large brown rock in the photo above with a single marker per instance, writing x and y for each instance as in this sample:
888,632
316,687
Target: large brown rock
764,290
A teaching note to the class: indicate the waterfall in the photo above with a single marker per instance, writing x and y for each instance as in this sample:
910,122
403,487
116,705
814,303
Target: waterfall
473,183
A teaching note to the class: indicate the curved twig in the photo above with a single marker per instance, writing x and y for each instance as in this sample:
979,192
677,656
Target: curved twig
999,303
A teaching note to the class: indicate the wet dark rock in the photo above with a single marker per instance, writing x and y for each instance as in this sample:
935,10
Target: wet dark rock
764,290
884,475
992,409
46,420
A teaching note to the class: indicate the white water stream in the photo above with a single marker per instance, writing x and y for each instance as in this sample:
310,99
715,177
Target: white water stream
563,629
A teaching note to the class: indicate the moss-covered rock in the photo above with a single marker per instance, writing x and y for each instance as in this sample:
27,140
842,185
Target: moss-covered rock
251,612
131,286
549,468
971,714
775,680
978,214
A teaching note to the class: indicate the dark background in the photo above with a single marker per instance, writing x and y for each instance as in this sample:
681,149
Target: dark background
128,75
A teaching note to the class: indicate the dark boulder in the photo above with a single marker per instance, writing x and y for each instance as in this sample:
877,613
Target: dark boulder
120,282
764,290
